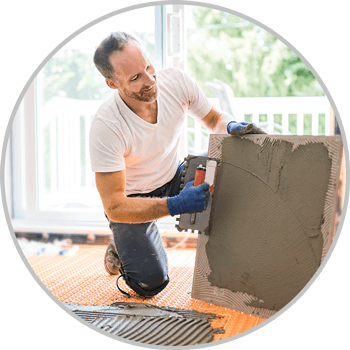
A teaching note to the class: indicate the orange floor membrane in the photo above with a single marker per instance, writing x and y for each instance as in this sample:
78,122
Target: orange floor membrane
82,279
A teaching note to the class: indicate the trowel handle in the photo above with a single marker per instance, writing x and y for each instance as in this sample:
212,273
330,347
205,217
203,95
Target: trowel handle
198,180
200,175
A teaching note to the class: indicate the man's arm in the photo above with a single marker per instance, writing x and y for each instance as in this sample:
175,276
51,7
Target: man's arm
216,121
120,208
223,123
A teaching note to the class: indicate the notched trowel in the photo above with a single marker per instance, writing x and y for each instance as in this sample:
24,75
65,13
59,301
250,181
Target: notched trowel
194,165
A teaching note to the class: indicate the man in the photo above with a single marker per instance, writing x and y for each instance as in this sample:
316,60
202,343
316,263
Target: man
134,142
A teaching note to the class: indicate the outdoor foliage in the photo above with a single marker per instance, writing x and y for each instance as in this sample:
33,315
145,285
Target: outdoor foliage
252,61
221,45
72,74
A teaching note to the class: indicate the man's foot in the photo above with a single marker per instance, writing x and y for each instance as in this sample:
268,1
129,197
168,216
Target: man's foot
112,261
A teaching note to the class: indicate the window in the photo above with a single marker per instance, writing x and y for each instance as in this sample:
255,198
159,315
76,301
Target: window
52,180
250,64
52,176
69,90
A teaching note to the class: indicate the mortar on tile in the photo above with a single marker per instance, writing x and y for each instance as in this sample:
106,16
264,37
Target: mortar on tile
265,227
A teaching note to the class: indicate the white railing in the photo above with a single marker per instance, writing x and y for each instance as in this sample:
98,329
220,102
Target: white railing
64,170
64,124
282,115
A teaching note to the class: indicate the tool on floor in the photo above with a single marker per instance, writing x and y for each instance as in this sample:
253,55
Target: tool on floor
199,169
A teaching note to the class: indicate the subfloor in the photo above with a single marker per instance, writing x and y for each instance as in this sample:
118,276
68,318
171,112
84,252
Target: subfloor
82,279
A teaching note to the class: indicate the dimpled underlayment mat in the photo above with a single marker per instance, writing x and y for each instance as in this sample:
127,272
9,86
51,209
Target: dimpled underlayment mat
172,317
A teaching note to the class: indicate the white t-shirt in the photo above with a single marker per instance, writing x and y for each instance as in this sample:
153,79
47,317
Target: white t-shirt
149,153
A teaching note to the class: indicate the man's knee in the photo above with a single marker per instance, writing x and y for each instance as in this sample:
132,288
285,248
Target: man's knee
149,286
153,280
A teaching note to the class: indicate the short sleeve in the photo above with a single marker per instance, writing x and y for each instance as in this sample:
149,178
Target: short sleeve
107,148
198,104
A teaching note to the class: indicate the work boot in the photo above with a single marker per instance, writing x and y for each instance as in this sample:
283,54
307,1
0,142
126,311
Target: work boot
112,261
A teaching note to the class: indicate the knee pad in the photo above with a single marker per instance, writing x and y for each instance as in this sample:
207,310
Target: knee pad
139,290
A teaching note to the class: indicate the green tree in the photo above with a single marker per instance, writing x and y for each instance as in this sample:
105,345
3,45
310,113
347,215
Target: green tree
252,61
72,74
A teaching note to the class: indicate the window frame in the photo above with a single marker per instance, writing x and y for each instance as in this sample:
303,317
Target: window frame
23,157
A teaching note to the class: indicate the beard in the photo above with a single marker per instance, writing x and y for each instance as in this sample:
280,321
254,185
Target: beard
145,94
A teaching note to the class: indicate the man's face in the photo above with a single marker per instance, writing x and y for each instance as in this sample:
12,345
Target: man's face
134,73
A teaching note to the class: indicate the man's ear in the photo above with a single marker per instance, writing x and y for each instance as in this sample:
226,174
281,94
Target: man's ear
112,83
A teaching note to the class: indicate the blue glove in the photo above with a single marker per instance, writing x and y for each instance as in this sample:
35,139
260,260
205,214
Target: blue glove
242,128
190,200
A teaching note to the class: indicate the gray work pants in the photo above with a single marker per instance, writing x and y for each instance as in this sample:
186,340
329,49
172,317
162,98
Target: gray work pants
140,247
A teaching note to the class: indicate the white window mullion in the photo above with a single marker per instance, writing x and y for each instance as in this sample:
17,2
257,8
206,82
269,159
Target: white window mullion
176,37
176,54
30,151
18,164
160,35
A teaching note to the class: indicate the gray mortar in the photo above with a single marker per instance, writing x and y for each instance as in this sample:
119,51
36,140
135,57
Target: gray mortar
265,230
151,324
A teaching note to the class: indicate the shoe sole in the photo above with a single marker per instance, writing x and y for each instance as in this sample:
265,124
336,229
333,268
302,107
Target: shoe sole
111,251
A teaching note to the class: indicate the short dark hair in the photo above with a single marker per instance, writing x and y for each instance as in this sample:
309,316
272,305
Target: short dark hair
114,42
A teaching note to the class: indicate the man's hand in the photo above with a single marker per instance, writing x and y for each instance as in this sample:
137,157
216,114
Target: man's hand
190,200
242,128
